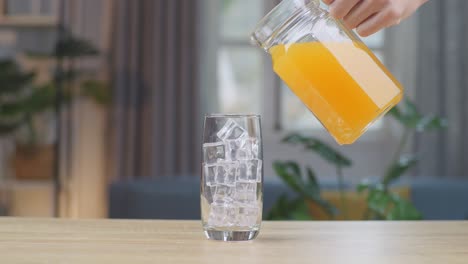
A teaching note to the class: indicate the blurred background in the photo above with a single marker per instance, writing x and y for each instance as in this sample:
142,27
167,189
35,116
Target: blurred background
102,105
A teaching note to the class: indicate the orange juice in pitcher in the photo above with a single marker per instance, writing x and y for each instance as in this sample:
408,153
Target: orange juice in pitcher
328,67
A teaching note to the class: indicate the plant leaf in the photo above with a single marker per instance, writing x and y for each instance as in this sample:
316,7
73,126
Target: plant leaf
396,113
67,75
327,153
407,114
410,117
284,209
279,209
319,147
290,173
312,192
402,210
410,110
14,80
12,109
299,210
293,168
385,205
312,180
363,186
294,138
41,99
396,170
378,201
96,90
429,123
73,47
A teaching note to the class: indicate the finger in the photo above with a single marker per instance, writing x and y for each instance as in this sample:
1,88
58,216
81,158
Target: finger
361,12
413,7
376,22
327,2
340,8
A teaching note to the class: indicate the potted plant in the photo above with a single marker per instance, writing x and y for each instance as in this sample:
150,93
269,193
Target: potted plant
20,102
26,108
373,200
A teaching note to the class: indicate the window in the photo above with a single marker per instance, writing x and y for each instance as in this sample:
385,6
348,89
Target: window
240,65
30,7
241,80
28,12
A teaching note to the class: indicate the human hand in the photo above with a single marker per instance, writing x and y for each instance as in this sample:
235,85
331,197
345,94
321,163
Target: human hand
370,16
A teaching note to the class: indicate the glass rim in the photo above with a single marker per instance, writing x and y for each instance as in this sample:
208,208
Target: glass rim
234,115
266,29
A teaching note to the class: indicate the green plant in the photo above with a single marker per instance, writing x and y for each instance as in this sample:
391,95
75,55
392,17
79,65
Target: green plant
382,202
21,100
309,190
98,90
69,50
327,153
73,48
15,82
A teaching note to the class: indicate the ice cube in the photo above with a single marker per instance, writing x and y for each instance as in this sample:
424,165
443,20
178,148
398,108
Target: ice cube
224,194
231,173
252,147
210,193
209,173
254,171
246,197
250,171
222,214
243,154
246,186
231,215
246,192
216,216
213,152
242,172
226,173
247,214
235,150
231,130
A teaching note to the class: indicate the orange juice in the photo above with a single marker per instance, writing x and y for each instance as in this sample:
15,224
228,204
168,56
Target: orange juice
342,83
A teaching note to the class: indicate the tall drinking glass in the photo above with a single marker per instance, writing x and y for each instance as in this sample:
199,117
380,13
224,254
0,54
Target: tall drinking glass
232,177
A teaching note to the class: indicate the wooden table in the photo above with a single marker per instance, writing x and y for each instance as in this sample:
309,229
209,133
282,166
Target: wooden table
115,241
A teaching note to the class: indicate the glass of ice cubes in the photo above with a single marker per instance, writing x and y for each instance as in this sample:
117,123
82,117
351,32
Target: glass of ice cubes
232,177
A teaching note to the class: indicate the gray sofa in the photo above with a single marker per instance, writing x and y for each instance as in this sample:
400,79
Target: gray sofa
179,198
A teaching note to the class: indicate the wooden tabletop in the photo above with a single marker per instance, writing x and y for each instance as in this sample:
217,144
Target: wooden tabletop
118,241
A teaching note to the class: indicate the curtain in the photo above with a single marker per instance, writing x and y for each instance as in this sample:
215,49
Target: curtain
442,87
156,111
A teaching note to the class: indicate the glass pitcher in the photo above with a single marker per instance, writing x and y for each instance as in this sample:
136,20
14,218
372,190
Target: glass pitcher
328,67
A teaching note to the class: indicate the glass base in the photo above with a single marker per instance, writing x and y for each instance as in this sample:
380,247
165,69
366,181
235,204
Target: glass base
224,235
